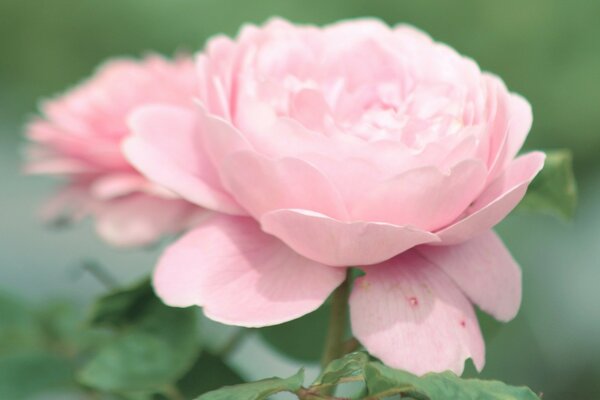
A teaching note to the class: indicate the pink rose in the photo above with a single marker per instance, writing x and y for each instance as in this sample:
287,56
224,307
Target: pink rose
79,138
352,145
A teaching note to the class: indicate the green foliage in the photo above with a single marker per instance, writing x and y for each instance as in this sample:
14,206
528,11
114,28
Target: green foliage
554,190
121,306
257,390
153,345
302,338
26,373
381,383
349,366
385,380
209,372
18,326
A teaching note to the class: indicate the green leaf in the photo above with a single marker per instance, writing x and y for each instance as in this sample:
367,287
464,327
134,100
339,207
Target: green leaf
349,366
120,307
301,339
27,373
208,373
153,350
383,381
554,190
257,390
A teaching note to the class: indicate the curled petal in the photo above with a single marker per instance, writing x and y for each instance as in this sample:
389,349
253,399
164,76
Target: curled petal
497,200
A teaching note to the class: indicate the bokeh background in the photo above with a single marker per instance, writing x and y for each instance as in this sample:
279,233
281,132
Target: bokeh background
547,50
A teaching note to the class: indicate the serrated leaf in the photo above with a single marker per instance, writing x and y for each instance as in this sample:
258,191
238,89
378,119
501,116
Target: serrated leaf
259,390
351,365
381,379
209,372
26,373
554,190
154,349
301,339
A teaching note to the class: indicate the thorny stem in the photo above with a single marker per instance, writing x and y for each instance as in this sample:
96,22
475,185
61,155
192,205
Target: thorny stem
334,344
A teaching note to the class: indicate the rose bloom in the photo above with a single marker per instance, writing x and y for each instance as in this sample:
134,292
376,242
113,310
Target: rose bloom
354,145
79,138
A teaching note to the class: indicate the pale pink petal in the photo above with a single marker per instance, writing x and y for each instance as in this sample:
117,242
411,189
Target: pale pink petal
166,147
242,276
424,197
412,316
261,185
333,242
220,138
139,219
57,166
118,184
500,197
519,125
484,270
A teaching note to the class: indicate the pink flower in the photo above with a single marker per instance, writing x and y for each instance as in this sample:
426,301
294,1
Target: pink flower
79,138
352,145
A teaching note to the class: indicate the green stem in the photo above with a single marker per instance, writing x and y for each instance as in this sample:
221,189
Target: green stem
233,342
334,344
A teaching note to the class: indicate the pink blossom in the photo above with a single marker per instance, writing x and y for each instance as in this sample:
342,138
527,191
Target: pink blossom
352,145
79,138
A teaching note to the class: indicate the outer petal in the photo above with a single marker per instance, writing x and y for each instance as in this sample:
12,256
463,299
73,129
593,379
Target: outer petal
166,147
242,276
263,185
339,243
485,271
411,315
500,197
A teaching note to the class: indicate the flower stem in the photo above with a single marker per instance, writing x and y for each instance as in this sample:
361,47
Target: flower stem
334,344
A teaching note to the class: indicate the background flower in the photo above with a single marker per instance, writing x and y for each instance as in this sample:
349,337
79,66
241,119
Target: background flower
79,137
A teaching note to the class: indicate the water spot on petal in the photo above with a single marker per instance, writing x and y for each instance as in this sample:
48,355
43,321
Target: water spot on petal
413,301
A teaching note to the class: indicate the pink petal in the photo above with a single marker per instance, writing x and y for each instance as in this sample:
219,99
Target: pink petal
485,271
139,219
115,185
333,242
411,315
262,185
519,125
220,139
166,147
500,197
423,197
57,166
242,276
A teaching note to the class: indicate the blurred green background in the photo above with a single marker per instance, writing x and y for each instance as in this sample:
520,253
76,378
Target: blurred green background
547,50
